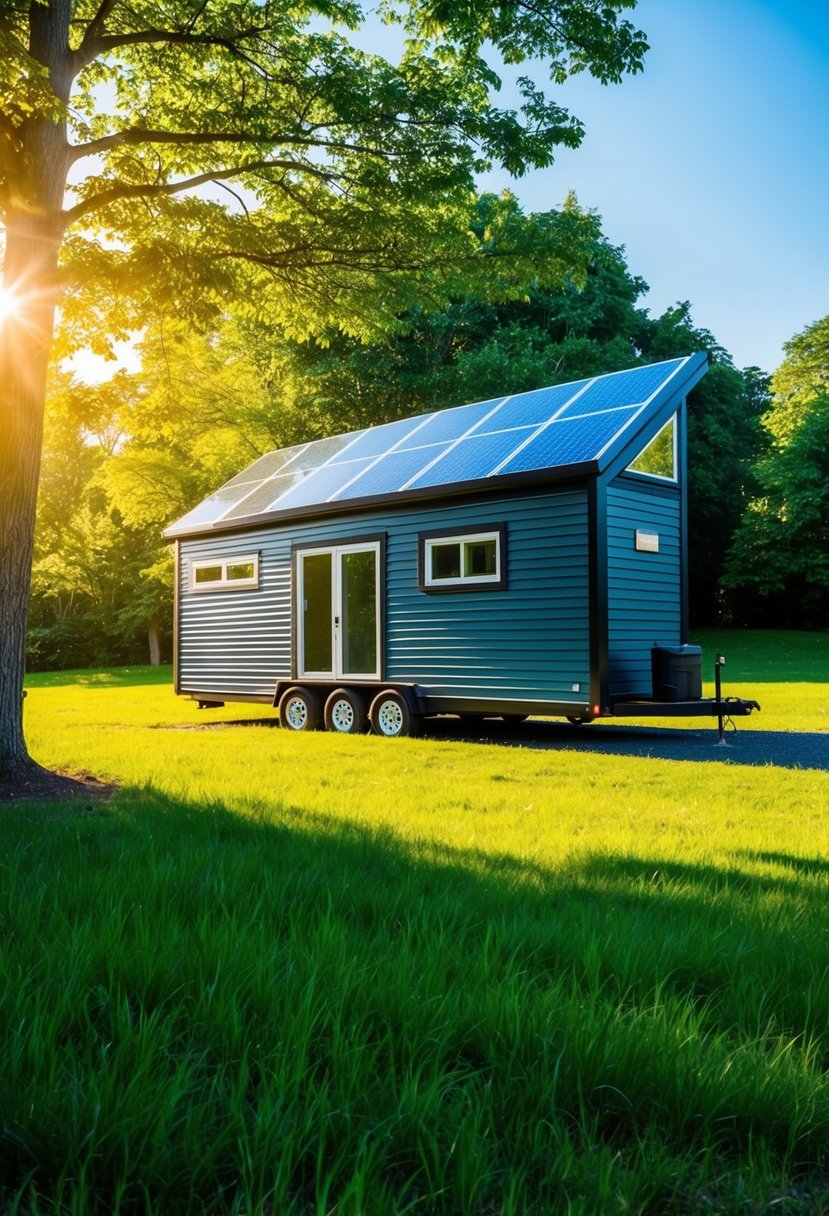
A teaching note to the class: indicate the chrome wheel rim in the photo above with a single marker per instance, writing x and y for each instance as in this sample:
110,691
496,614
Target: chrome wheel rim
390,718
296,713
342,716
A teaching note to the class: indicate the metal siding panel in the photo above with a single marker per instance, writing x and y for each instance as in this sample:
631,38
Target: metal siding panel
644,594
529,641
236,641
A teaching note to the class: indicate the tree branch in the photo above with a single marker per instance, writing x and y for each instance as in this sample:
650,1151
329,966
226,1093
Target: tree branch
161,189
101,44
133,136
97,22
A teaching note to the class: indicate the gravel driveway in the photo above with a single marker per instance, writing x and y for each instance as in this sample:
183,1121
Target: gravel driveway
784,749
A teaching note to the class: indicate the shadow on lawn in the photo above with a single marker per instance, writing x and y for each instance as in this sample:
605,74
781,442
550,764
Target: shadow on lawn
527,998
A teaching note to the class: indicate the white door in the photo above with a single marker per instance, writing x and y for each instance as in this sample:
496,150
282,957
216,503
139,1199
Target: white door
338,611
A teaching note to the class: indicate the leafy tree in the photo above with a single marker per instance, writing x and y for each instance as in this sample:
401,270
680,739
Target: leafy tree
479,343
87,590
339,168
778,565
119,462
724,438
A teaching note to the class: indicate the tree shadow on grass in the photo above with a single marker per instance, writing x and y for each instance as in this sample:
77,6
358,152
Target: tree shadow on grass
280,1009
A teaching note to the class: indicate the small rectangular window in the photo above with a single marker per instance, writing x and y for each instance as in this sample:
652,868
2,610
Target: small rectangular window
240,571
446,561
459,559
207,574
232,574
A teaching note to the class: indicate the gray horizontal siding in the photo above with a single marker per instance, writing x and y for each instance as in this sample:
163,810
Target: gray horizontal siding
529,641
234,642
644,589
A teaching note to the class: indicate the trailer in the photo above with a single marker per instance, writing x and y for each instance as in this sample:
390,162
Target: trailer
525,555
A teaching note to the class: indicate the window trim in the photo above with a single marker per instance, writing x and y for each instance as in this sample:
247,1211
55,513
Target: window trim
224,583
426,541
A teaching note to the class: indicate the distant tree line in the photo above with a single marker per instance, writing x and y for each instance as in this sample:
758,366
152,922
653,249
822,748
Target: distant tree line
123,459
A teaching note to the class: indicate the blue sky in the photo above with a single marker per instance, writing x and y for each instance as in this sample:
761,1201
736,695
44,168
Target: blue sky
712,166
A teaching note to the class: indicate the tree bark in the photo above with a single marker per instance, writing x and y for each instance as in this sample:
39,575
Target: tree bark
154,642
34,231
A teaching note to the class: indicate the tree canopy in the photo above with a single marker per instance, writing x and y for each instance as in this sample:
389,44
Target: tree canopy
780,553
250,150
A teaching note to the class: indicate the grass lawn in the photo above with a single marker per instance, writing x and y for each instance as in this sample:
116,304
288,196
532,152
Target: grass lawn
321,976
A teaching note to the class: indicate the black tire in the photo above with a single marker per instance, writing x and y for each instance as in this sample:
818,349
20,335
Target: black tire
579,721
514,717
299,709
345,712
391,715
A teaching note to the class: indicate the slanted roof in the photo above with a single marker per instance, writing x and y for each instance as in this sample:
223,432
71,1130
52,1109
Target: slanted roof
568,430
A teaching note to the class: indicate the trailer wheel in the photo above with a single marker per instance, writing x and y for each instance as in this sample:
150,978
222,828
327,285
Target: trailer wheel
299,709
579,721
391,715
345,712
514,717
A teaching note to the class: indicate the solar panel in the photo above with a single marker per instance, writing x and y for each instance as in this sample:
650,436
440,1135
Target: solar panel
392,472
215,506
472,458
324,451
266,493
319,485
531,409
450,424
569,441
378,440
550,428
622,388
264,467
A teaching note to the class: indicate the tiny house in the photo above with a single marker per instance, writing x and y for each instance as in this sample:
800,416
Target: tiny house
522,555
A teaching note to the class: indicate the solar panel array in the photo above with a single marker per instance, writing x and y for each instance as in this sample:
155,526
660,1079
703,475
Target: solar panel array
548,428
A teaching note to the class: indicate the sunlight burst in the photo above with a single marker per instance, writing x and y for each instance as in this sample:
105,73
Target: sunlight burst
9,304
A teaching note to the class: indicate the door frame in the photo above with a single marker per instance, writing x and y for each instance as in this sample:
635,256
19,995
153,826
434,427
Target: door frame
335,546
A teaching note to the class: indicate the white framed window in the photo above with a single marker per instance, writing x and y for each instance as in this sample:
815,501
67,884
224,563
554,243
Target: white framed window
225,573
459,559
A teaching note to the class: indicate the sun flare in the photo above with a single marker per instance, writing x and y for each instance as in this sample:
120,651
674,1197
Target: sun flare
9,304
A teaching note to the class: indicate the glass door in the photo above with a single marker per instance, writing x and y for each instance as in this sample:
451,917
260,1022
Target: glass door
316,598
339,612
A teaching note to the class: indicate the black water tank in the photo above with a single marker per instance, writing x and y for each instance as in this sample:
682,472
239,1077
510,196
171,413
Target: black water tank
676,673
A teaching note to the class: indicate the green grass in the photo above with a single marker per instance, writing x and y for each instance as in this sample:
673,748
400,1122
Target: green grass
327,976
786,671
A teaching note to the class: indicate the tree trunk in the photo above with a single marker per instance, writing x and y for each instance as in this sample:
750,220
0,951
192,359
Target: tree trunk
154,640
34,230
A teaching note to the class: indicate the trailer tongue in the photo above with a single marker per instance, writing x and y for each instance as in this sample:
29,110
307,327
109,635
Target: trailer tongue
729,707
685,676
